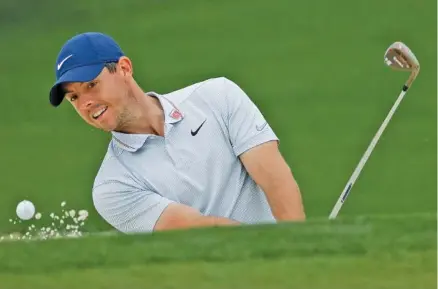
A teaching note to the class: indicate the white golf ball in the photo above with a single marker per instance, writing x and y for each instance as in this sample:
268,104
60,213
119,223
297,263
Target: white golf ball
25,210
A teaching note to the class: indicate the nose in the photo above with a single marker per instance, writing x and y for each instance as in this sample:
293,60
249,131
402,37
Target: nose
86,103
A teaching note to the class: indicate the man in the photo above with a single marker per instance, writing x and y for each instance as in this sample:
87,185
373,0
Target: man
200,156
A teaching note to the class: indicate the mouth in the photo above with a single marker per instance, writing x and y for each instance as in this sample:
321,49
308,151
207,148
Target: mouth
99,113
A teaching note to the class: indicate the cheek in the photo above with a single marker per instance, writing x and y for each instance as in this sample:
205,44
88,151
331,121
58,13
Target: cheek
83,114
116,91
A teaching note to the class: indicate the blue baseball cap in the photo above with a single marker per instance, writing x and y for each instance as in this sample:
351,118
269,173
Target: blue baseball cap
81,59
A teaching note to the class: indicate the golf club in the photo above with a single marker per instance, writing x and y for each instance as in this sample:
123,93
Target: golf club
398,57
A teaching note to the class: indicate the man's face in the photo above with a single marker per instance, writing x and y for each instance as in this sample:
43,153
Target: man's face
103,101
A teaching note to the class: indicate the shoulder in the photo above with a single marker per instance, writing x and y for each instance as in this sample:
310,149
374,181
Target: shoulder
111,167
207,88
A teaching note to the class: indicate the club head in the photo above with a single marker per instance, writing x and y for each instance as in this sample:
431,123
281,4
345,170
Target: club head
399,57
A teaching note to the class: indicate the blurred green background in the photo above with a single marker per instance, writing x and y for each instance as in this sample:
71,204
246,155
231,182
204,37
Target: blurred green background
315,69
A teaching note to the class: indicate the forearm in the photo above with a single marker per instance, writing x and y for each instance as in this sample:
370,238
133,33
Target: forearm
286,202
215,221
271,172
202,221
283,194
178,216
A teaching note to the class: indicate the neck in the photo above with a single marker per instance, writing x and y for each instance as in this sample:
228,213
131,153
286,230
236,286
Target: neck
144,115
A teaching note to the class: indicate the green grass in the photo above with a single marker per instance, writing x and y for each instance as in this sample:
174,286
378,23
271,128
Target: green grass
410,271
361,252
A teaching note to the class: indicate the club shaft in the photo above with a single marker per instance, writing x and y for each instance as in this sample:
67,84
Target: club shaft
367,153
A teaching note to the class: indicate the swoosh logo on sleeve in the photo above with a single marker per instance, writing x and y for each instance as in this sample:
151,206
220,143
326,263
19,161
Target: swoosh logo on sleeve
261,127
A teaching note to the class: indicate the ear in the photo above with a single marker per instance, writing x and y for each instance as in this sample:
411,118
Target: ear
125,66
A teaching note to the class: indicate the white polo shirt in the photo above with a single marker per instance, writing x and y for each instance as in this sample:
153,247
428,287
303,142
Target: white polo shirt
207,126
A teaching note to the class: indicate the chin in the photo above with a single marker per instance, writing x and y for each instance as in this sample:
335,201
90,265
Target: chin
106,124
107,127
101,125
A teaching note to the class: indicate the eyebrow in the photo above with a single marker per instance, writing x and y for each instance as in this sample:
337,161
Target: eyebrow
69,91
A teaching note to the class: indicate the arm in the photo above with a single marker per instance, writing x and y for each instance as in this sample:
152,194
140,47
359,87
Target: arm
256,144
131,209
178,216
269,170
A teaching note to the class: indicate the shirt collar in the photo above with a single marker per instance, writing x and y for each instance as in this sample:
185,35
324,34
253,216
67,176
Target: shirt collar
133,142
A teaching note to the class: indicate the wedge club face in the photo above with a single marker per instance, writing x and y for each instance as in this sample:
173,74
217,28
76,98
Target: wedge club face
399,57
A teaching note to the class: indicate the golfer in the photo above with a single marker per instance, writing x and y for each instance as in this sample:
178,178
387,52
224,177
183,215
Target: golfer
200,156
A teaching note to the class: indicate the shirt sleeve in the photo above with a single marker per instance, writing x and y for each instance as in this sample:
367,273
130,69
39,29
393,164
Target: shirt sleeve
246,124
128,208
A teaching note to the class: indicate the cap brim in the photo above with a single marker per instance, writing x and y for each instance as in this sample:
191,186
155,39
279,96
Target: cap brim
78,74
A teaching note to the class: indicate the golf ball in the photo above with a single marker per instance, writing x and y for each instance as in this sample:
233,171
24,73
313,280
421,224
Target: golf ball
25,210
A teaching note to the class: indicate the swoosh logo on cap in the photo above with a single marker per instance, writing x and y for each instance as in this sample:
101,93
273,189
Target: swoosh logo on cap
62,62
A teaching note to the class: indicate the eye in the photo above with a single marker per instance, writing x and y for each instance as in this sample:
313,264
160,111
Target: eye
73,97
92,84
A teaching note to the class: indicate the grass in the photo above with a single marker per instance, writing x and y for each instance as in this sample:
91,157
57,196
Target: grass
362,252
342,273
